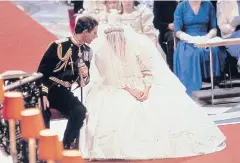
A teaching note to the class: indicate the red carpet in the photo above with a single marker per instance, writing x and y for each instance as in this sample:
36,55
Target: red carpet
229,155
23,40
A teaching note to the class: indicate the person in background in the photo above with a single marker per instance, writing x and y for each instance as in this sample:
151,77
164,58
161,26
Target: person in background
195,21
226,11
110,5
93,8
77,6
138,16
214,3
163,21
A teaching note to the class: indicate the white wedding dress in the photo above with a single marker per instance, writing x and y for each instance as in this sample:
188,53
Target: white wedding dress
168,124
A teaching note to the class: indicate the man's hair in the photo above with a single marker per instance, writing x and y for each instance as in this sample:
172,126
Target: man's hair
85,23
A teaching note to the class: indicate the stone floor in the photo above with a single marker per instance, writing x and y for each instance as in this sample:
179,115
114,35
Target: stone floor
53,15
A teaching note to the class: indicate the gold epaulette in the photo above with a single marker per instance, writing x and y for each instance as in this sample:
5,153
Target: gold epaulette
61,40
60,54
63,58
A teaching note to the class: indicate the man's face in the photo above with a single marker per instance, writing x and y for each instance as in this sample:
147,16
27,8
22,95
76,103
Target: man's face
112,4
90,36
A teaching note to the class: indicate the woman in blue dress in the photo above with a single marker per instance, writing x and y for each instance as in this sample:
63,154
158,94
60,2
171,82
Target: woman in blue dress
195,21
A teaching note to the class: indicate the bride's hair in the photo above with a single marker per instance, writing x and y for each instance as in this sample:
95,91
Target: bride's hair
116,39
113,29
114,33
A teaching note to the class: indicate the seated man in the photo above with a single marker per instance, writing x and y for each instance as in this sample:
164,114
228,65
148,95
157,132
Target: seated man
226,11
67,61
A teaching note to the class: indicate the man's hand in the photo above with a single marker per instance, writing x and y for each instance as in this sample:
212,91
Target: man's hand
83,71
171,26
45,103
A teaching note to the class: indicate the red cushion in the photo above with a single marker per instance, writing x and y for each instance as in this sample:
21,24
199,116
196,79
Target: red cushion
56,114
71,19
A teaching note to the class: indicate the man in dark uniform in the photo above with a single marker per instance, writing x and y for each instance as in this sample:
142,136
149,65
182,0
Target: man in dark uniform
163,21
65,62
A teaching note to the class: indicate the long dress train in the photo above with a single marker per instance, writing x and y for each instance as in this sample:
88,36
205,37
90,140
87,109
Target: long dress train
167,125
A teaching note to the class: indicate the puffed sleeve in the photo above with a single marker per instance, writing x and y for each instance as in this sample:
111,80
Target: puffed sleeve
147,23
223,22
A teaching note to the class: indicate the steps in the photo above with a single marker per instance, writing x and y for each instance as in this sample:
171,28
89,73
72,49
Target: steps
222,96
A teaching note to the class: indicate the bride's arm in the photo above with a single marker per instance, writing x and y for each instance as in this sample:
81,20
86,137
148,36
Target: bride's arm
145,64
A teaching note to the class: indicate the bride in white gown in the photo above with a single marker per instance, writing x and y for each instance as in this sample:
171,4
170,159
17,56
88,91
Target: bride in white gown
138,109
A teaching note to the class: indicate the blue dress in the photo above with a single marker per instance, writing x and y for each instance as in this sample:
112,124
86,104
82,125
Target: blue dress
191,64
